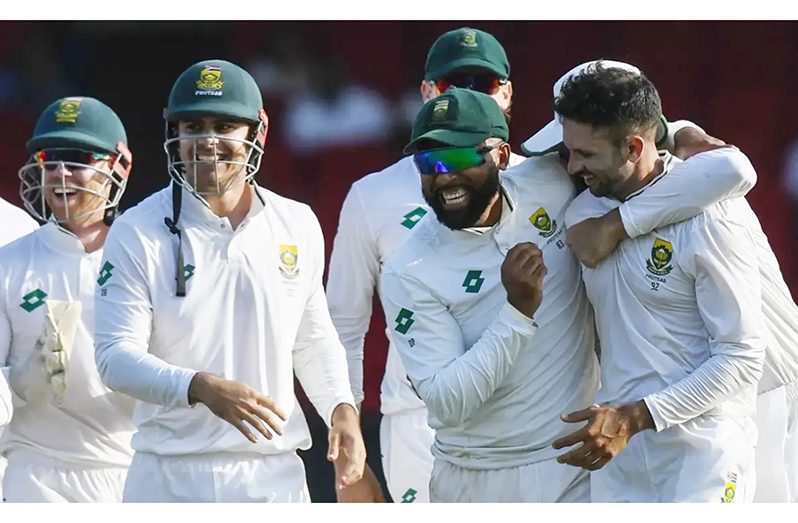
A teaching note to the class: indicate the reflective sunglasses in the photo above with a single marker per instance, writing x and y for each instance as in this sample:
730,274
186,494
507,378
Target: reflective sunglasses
70,156
483,82
451,159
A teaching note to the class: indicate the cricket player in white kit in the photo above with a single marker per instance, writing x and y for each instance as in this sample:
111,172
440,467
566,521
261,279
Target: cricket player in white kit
212,297
69,436
678,313
594,239
464,297
17,223
379,213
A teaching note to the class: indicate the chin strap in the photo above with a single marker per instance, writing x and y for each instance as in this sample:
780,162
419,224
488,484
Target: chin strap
171,223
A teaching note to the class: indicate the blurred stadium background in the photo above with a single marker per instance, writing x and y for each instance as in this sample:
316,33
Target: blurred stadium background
341,97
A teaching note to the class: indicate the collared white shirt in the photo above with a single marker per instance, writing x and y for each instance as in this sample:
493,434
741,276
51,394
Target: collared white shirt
495,382
379,213
678,310
641,216
254,312
93,426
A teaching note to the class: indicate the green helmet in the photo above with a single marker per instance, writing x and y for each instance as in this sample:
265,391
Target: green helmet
214,88
69,130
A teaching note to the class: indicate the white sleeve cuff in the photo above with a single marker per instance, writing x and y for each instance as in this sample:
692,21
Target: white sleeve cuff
517,320
660,423
334,405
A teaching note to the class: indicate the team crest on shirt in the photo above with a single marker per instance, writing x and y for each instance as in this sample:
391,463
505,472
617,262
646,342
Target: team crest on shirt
730,489
68,110
543,223
661,256
210,81
288,261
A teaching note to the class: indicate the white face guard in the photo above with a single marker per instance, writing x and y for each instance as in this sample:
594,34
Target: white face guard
36,182
184,172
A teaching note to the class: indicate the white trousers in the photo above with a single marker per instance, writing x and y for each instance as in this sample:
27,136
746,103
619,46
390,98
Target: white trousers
705,460
405,442
31,478
777,448
221,477
543,482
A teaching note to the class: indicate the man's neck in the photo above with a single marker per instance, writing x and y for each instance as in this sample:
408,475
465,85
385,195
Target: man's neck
646,170
91,234
492,213
233,204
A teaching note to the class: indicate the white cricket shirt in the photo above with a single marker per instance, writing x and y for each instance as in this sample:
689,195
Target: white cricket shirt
254,312
678,310
16,223
93,426
781,313
379,213
495,384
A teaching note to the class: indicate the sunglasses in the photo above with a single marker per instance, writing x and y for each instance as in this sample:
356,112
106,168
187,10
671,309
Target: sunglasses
70,156
451,159
483,82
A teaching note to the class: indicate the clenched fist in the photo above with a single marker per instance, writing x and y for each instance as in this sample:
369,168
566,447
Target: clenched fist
522,276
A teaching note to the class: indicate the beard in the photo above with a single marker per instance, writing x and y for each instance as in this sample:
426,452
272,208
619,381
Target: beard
478,200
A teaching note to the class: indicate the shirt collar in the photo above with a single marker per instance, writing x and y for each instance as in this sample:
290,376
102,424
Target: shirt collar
197,212
668,162
60,238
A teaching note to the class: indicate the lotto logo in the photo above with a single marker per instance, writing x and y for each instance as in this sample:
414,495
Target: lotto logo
404,320
33,300
409,496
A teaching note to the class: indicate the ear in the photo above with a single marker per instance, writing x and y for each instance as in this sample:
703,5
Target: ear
507,90
632,148
504,155
428,90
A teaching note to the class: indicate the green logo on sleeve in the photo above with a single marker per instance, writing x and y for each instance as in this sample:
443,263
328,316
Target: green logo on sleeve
33,300
105,273
413,217
409,496
473,281
404,320
189,271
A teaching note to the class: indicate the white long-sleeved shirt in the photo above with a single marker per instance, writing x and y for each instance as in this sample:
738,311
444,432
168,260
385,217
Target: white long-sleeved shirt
379,213
494,383
640,217
254,312
94,425
678,310
16,223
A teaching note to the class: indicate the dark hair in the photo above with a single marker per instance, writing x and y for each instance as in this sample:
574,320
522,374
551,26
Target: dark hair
622,101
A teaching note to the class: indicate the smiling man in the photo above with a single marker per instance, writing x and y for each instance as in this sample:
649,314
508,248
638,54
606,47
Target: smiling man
380,212
494,362
678,311
69,437
212,299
